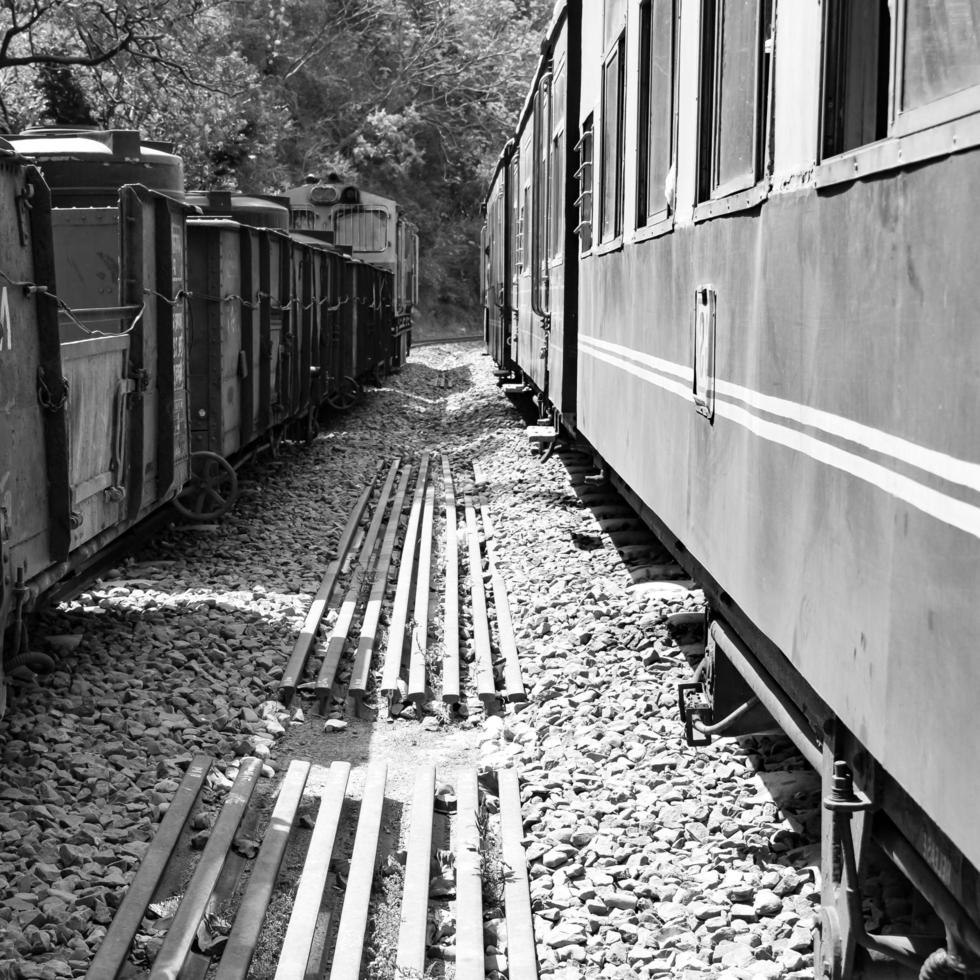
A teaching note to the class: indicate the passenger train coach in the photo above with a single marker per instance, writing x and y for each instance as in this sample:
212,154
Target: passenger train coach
732,246
152,339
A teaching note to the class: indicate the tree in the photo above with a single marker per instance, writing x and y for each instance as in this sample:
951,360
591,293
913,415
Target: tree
412,98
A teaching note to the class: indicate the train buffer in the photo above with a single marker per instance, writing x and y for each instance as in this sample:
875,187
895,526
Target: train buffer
193,913
538,434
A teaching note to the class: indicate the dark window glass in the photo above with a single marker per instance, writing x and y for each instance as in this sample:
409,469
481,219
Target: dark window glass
942,49
736,51
856,74
557,195
612,142
656,115
737,99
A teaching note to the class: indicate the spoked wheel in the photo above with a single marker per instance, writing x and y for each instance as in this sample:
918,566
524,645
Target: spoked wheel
211,490
348,394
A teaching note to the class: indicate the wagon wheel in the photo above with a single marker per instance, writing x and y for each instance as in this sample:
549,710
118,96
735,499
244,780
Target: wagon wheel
346,396
380,373
211,490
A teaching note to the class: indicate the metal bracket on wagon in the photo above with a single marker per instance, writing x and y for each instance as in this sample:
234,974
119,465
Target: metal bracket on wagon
694,705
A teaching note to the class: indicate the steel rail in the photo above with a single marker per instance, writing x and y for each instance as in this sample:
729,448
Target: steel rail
395,646
298,941
410,959
470,962
345,617
183,930
420,615
244,936
349,948
485,687
450,662
109,959
301,648
357,687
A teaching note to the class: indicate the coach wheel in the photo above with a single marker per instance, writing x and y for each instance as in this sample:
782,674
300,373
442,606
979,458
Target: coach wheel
212,488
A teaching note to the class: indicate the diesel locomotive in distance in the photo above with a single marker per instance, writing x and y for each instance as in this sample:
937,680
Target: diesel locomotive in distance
153,338
731,247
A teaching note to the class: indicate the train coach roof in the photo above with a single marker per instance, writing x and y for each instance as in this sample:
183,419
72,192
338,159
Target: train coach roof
260,212
87,167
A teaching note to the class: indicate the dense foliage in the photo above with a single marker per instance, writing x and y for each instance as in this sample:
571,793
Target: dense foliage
412,98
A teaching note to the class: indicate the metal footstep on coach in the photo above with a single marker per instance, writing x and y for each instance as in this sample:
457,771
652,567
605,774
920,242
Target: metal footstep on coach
215,922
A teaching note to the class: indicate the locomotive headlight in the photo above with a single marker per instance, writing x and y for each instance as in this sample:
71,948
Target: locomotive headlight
324,195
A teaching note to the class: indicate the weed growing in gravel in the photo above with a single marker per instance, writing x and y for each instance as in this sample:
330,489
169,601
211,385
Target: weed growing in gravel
495,872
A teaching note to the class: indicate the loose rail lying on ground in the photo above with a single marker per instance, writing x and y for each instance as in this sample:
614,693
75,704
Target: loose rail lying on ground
408,544
181,954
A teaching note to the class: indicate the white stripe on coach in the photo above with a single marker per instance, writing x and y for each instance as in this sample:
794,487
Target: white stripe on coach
959,471
949,510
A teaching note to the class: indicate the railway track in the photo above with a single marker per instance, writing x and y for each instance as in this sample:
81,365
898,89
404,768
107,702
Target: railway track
184,915
384,562
468,338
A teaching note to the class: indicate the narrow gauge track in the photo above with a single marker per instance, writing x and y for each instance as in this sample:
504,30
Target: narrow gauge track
192,934
642,854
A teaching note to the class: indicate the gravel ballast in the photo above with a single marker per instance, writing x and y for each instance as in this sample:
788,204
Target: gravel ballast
647,858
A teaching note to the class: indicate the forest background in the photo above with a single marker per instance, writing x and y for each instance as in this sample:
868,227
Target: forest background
413,99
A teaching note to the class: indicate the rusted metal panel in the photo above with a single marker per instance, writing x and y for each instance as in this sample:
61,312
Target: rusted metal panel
218,369
137,262
835,493
97,370
171,368
87,269
40,239
251,333
278,326
24,493
228,300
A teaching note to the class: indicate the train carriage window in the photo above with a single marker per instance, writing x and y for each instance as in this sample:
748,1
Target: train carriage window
556,231
655,136
893,69
557,195
613,98
365,229
584,174
736,51
522,236
515,213
856,74
942,50
541,179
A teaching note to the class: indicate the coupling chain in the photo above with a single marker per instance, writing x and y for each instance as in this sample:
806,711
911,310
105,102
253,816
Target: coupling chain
47,399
